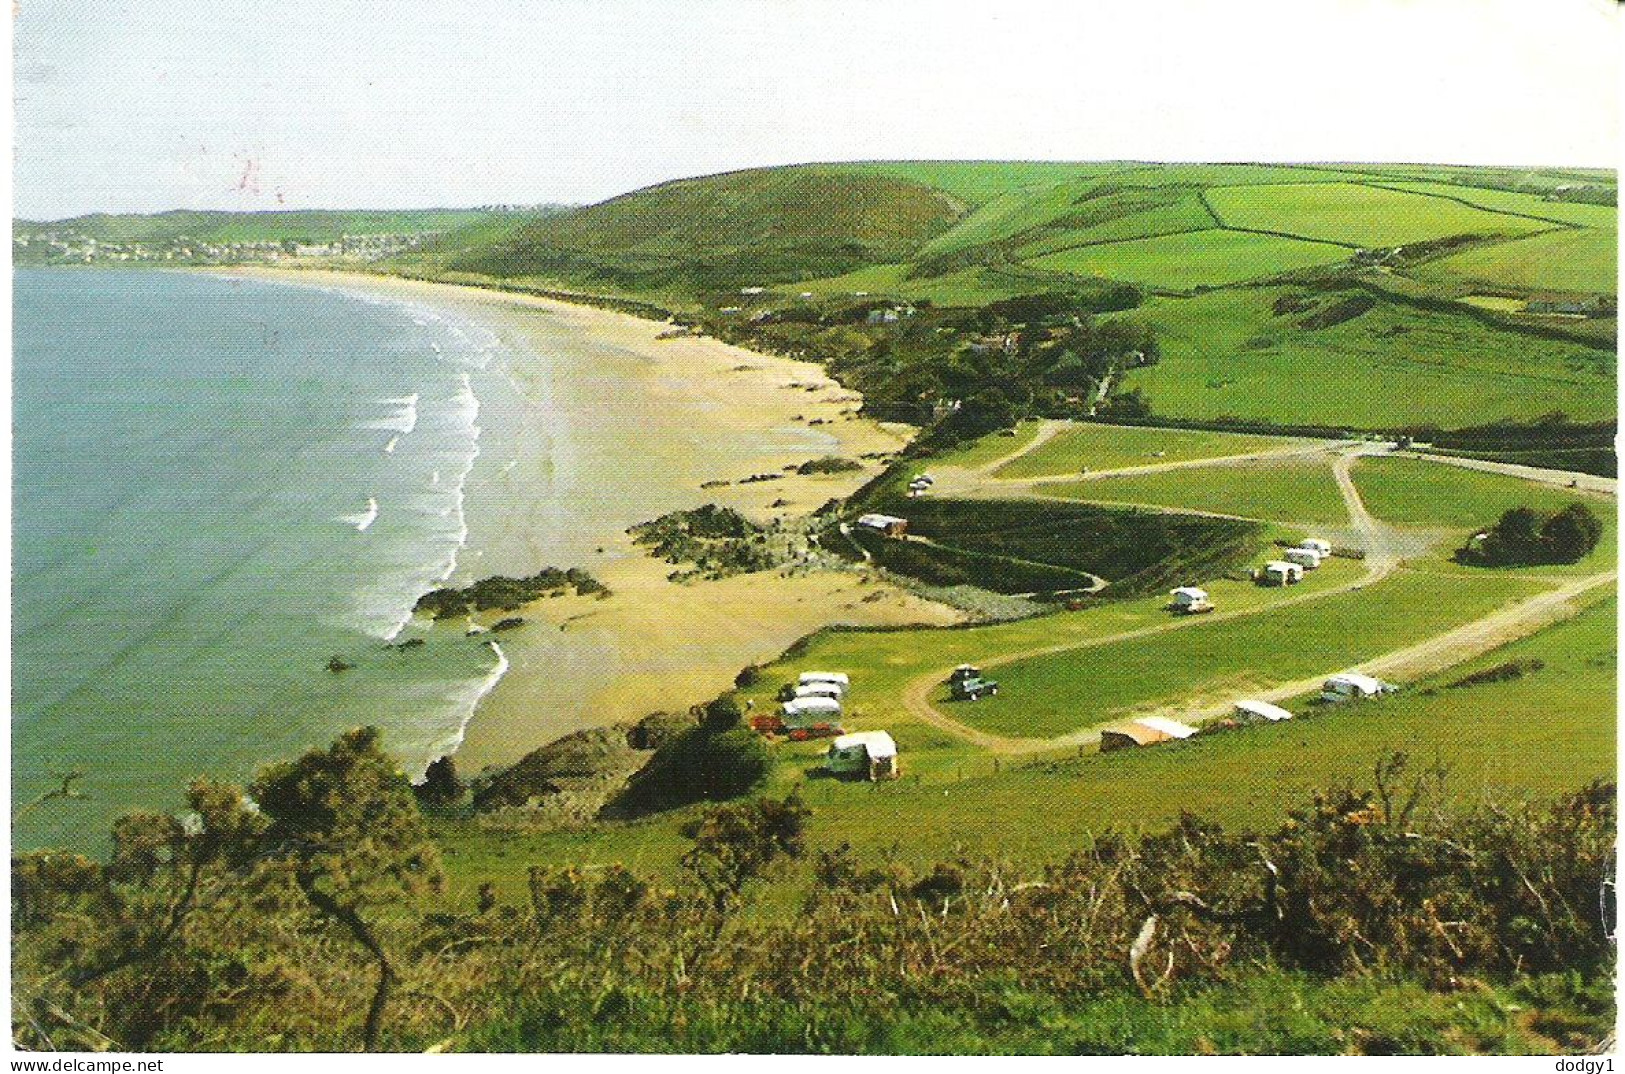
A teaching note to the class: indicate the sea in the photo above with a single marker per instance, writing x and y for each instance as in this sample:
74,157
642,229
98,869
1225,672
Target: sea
220,486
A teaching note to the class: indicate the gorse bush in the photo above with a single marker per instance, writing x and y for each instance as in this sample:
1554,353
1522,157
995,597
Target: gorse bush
1370,920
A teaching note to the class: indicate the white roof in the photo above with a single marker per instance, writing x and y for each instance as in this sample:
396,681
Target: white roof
1189,591
1171,728
1273,713
821,688
825,676
875,743
811,704
1301,553
879,522
1282,566
1319,544
1363,683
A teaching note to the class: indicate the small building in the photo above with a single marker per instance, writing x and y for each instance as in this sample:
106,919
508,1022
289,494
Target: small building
825,676
1146,731
870,754
1281,573
1352,686
1260,712
1307,558
1189,600
820,689
890,525
1320,545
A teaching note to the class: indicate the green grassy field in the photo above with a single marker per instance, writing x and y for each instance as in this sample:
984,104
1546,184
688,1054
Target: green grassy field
968,287
1357,215
990,448
1038,810
1416,492
1578,259
1220,660
1005,215
1196,259
1229,354
1185,213
1108,447
1511,201
1288,490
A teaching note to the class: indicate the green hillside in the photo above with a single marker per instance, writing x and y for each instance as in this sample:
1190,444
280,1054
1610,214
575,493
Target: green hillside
1286,296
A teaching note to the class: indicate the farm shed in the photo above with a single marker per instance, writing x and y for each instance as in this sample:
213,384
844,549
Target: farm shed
839,677
820,689
1351,685
1146,731
1318,544
1256,711
1189,600
1307,558
1280,572
871,754
890,525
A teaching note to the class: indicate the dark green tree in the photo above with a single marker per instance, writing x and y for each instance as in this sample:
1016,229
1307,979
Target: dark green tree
344,826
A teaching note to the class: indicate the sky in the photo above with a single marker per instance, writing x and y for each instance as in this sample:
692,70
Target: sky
146,105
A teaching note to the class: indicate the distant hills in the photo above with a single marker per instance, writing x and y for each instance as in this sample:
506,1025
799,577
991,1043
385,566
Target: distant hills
968,233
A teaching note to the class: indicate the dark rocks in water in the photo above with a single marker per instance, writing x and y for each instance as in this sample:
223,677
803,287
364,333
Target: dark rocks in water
513,622
338,664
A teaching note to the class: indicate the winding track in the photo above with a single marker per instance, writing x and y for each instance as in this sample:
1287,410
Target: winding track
1382,557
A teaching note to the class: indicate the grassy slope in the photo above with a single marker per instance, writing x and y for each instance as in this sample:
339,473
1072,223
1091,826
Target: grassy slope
1357,215
1511,201
1584,259
1108,447
1289,490
1247,779
1230,354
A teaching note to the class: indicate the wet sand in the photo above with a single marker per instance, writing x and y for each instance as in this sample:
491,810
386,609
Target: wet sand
593,423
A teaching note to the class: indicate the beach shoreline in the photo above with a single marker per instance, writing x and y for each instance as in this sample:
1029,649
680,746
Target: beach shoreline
597,423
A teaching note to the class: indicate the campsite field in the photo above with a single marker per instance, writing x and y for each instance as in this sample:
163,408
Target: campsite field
1210,258
1084,446
1223,659
1354,214
1247,779
1287,490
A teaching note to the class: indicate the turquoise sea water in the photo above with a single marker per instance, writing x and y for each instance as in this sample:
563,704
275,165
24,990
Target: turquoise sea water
218,485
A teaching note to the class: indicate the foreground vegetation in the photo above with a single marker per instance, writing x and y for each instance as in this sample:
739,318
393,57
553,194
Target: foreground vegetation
310,922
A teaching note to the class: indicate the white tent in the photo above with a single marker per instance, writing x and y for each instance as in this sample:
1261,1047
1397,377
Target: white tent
1262,710
1171,728
825,676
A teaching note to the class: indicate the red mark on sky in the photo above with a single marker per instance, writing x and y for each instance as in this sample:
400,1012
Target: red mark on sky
250,181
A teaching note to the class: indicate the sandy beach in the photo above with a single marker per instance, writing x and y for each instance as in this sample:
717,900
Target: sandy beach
595,424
